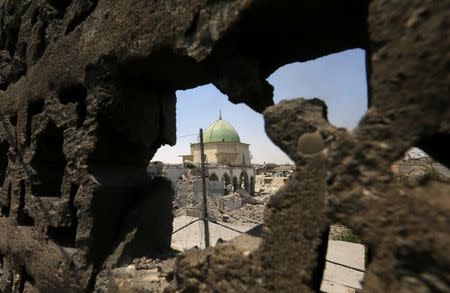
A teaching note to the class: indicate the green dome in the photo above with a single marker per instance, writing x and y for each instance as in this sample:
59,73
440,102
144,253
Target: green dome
220,131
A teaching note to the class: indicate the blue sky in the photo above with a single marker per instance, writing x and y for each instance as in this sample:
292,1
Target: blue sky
338,79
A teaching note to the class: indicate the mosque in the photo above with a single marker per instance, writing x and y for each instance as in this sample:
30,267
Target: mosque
227,159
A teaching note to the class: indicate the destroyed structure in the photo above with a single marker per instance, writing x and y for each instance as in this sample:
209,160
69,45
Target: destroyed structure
270,181
414,171
87,96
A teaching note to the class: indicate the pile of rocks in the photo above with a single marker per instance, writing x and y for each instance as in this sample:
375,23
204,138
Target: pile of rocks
414,172
235,207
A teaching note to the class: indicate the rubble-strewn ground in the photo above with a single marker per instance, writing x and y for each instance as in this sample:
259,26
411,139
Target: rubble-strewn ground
142,275
413,172
236,207
342,233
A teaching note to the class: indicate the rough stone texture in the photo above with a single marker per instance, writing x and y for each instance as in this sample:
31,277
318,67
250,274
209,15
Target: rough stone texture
301,203
405,229
88,95
229,267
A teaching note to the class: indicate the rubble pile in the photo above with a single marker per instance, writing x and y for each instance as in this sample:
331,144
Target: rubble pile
248,213
413,172
142,275
236,207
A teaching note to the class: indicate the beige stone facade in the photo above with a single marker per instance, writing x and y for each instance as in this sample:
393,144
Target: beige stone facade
228,153
227,159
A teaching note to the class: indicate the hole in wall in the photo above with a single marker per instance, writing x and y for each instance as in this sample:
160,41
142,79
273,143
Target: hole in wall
4,147
199,108
48,162
244,181
26,283
23,219
437,146
202,107
6,208
72,94
338,79
13,120
75,94
60,5
234,139
66,236
12,31
4,85
417,167
63,236
34,16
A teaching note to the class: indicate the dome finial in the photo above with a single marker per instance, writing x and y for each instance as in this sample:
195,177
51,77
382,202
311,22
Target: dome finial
220,114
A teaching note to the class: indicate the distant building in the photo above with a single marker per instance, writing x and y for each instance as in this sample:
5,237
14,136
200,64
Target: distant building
228,159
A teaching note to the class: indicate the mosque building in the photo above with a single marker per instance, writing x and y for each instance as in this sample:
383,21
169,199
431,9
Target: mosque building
227,159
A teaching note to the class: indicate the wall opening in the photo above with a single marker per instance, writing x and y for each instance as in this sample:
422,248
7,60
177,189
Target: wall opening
13,120
23,219
4,147
244,182
437,146
75,94
26,282
235,184
199,108
226,183
213,177
338,79
6,207
48,162
226,179
66,236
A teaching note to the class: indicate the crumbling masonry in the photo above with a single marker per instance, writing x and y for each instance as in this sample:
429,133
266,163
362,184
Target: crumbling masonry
87,96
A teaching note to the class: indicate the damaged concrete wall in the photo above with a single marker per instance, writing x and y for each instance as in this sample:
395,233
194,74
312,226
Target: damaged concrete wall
88,96
345,176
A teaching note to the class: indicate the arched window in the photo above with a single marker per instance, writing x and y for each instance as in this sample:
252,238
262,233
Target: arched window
226,179
243,181
252,186
213,177
235,184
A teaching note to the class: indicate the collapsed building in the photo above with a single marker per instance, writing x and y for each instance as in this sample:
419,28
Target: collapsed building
270,181
414,171
88,96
